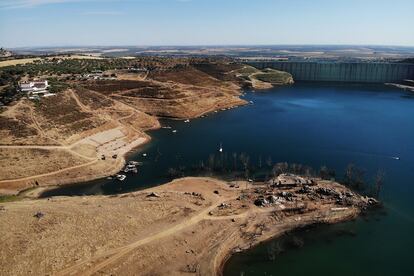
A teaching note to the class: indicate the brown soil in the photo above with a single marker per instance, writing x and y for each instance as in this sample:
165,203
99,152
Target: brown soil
183,227
174,98
116,112
75,129
23,162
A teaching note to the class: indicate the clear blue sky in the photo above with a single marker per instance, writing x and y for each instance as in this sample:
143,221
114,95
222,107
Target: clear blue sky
205,22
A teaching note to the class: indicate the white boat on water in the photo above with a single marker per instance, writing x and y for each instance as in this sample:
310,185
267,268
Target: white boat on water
174,131
121,177
221,148
395,158
187,121
166,127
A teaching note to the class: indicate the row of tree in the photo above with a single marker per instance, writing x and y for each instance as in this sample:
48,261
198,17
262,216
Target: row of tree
239,165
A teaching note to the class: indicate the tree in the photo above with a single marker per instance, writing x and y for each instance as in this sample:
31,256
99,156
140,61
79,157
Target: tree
349,174
245,161
234,161
354,177
296,168
269,162
211,162
324,172
308,171
281,167
379,182
275,172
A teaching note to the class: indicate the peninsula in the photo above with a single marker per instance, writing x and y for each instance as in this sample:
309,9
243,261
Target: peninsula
190,225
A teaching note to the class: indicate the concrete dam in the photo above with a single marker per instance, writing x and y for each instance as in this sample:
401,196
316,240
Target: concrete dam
342,72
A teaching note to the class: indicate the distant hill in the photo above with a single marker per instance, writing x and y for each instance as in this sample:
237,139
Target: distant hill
5,53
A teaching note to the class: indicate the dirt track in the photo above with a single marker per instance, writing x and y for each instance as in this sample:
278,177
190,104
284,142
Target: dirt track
114,138
180,229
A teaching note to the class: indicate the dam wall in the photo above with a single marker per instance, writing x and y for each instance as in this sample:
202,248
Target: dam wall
342,72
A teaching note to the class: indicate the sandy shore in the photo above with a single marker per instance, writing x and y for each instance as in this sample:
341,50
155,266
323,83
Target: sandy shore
107,143
190,225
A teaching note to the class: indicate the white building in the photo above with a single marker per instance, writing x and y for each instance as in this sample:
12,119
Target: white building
34,87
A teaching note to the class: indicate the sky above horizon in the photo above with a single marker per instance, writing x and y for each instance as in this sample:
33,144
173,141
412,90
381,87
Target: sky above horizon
205,22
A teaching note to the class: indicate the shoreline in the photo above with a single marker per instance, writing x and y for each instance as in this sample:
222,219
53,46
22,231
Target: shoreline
219,270
55,179
35,192
203,221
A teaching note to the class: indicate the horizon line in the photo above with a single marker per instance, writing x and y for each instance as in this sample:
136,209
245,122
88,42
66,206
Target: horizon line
204,45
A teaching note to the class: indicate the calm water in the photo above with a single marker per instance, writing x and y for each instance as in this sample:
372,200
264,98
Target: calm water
312,124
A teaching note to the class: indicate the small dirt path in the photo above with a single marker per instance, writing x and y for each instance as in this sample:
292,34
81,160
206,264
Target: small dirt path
49,174
96,263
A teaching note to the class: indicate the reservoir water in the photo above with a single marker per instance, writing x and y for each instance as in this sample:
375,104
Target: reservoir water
313,124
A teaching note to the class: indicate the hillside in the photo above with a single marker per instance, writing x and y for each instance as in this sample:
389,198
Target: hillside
91,119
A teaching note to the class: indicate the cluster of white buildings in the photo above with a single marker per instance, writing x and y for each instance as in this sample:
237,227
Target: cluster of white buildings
97,75
135,69
36,89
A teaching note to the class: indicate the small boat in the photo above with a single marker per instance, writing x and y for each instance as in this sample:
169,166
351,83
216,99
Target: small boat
221,148
144,154
174,131
187,121
395,158
166,127
251,102
121,177
135,163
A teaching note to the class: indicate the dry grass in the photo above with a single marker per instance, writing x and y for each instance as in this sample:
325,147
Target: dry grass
170,93
65,119
140,120
93,99
18,128
220,71
19,163
108,87
186,75
12,62
185,229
